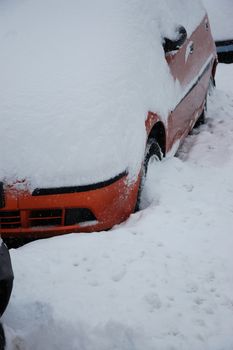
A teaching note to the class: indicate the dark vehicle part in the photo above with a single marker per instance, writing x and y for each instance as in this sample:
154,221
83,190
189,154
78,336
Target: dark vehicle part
152,152
225,51
2,338
174,44
6,277
202,118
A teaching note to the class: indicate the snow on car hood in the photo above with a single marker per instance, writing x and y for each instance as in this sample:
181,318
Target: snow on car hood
77,80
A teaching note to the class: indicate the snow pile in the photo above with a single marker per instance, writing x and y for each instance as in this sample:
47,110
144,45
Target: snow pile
77,81
163,280
221,18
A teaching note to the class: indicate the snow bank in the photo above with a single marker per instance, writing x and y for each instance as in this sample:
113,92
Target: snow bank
77,81
221,18
162,280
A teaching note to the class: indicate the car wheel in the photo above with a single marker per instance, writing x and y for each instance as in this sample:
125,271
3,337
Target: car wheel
153,152
202,119
6,277
5,292
2,338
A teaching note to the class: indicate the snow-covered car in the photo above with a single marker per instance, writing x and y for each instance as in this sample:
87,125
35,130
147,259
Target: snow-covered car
91,92
221,20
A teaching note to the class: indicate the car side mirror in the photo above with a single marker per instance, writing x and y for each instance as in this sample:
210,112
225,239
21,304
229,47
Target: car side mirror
174,44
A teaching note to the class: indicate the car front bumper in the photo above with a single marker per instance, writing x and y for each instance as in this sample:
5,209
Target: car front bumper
49,212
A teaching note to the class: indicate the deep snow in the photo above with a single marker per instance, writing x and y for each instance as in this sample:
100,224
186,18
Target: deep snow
161,280
78,78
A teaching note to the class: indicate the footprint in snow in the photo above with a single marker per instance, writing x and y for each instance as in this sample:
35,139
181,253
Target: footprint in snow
153,302
119,274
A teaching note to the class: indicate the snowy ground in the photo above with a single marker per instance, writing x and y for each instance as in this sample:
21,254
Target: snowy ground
162,280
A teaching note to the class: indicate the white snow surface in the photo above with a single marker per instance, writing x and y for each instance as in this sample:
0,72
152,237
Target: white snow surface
78,78
221,18
162,280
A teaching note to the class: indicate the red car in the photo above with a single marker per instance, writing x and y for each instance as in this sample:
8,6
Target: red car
93,206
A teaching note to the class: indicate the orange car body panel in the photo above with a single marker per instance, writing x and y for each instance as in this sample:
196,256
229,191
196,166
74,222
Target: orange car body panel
110,205
114,202
187,70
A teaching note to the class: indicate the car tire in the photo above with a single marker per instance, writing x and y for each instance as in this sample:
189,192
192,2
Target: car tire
6,277
2,338
152,152
5,293
202,118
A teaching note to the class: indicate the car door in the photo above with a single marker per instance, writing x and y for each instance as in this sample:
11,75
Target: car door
192,66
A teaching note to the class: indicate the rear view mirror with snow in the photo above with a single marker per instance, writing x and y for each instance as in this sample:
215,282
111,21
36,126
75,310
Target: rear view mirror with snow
179,39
